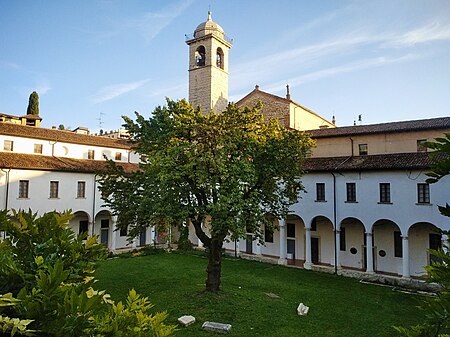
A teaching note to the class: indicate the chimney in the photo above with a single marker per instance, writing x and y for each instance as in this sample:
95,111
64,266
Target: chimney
333,120
256,87
288,94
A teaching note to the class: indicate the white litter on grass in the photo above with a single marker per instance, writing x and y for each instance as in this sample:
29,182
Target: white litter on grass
302,310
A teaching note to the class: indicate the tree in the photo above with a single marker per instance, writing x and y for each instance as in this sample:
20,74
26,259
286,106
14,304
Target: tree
33,104
437,310
229,169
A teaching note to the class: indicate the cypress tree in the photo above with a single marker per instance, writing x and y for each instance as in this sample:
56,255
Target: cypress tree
33,104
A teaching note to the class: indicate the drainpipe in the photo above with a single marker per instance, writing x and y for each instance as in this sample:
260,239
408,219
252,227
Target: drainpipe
351,141
334,220
93,204
7,188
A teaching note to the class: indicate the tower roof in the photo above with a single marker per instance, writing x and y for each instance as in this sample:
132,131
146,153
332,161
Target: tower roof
208,27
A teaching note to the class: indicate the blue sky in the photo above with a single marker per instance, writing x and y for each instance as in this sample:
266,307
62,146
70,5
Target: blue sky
92,60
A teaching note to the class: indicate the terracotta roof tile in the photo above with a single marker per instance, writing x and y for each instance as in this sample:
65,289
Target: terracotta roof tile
61,136
47,163
394,127
396,161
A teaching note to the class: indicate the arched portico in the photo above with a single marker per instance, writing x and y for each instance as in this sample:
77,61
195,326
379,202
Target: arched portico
81,222
295,234
103,228
422,237
351,245
321,241
387,247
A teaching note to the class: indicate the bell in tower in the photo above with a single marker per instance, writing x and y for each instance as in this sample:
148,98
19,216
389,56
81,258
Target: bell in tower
208,66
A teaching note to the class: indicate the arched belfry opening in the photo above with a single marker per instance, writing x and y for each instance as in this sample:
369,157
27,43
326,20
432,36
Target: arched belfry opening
200,56
208,66
219,58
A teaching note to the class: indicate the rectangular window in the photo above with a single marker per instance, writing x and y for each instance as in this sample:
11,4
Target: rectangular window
38,148
435,241
320,191
54,189
342,239
91,154
84,227
398,244
423,193
104,223
268,234
314,225
290,230
385,193
81,189
118,156
23,188
421,145
363,149
123,231
351,192
8,145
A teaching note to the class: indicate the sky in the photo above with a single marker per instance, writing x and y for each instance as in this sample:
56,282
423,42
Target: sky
92,61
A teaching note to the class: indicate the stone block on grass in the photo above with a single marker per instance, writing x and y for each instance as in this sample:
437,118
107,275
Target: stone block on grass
186,320
216,327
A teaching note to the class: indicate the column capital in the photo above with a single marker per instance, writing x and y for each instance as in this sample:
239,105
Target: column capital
369,234
308,229
404,237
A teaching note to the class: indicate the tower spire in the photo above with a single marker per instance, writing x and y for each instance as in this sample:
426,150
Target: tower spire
209,14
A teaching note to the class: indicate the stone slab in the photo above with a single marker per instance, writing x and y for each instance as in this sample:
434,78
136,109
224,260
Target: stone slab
216,327
186,320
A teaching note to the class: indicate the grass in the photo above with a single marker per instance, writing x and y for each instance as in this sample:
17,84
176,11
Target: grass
338,306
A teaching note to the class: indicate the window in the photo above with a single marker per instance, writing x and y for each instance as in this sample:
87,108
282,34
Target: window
8,145
435,242
268,234
104,223
81,189
84,227
200,56
219,58
23,188
398,244
363,149
385,193
54,187
423,193
290,230
320,192
91,154
314,225
38,148
342,239
118,156
123,231
351,192
421,145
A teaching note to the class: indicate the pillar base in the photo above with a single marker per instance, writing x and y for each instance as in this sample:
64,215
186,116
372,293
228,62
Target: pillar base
282,261
408,277
307,265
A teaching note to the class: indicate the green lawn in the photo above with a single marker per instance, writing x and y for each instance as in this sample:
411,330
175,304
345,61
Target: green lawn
338,306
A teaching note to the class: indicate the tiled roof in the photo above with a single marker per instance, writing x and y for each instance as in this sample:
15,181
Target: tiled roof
395,161
415,125
11,160
61,136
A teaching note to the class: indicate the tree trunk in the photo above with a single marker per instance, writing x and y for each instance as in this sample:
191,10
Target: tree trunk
214,268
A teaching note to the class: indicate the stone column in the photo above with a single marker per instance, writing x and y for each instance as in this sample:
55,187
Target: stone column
91,228
444,241
258,248
283,238
152,235
199,242
238,250
405,259
369,252
308,261
112,245
337,263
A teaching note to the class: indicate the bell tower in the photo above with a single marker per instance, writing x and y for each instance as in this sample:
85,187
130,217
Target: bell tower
208,66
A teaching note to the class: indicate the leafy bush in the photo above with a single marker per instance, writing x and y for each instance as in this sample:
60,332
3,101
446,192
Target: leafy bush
48,273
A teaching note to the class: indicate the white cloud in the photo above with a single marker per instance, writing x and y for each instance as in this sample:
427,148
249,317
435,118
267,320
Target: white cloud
112,91
430,32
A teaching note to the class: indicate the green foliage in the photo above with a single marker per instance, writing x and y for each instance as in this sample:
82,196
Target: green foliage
441,156
50,271
184,243
132,320
33,104
231,167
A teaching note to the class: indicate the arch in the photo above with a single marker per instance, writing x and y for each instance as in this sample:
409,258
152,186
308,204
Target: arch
80,222
102,227
219,58
200,56
322,240
351,245
422,236
387,240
